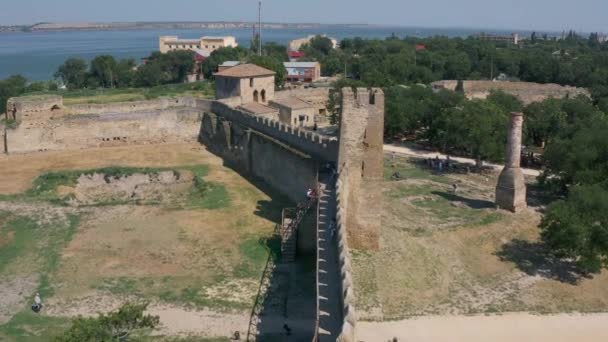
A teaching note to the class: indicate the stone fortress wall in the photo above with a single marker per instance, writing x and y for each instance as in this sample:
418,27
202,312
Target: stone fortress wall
358,189
527,92
44,123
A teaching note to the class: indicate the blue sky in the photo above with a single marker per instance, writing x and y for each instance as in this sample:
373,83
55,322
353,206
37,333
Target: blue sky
581,15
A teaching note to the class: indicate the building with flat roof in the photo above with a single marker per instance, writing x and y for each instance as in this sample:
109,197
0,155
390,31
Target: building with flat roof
294,111
513,38
249,82
302,71
259,109
205,45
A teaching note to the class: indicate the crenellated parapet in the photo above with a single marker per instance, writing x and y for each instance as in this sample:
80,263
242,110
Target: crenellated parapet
321,147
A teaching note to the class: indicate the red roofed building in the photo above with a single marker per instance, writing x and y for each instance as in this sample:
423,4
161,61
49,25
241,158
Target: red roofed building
296,54
420,47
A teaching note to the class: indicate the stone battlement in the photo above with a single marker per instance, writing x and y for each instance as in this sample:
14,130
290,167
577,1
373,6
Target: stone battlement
317,145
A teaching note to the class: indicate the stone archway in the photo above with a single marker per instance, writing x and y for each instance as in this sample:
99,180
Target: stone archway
263,93
256,96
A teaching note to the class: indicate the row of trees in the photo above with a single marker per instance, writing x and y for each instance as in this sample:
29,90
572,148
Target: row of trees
573,61
106,72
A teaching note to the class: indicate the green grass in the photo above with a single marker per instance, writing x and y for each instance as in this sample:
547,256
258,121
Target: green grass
36,247
254,253
27,326
410,170
100,96
207,195
23,231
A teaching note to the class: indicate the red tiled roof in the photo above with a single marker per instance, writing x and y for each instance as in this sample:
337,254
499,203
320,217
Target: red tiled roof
296,54
245,70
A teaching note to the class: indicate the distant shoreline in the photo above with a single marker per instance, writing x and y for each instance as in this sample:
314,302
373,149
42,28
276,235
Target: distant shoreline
202,25
86,26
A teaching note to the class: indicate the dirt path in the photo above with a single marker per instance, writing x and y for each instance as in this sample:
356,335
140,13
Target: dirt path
177,321
423,154
502,328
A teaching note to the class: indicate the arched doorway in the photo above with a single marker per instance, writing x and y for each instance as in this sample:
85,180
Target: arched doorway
264,95
255,96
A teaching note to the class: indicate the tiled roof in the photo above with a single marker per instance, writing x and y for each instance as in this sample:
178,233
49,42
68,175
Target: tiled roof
245,70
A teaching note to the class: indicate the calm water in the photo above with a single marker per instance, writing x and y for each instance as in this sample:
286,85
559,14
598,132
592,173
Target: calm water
37,55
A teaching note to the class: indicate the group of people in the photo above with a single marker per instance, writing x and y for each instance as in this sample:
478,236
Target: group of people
440,164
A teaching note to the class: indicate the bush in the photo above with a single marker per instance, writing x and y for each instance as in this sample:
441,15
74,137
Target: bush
115,326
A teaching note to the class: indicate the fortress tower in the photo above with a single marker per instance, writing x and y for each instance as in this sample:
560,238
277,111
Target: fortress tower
511,187
361,164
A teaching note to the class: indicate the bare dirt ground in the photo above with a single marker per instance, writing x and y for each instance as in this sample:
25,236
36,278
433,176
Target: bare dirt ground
455,254
200,268
502,328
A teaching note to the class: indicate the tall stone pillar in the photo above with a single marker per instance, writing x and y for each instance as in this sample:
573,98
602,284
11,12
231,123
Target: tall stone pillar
511,187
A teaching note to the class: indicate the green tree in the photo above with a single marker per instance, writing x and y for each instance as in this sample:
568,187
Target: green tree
543,121
578,155
577,227
273,64
73,73
115,326
149,75
509,103
222,55
103,71
321,44
406,108
125,73
457,66
11,87
479,128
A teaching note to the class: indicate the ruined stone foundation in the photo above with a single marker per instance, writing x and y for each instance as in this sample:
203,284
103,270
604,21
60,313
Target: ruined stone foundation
511,187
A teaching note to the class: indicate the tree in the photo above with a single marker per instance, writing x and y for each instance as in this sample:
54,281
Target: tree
457,66
509,103
406,108
321,44
222,55
578,155
149,75
103,71
479,127
543,121
73,73
577,227
273,64
125,73
10,87
115,326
